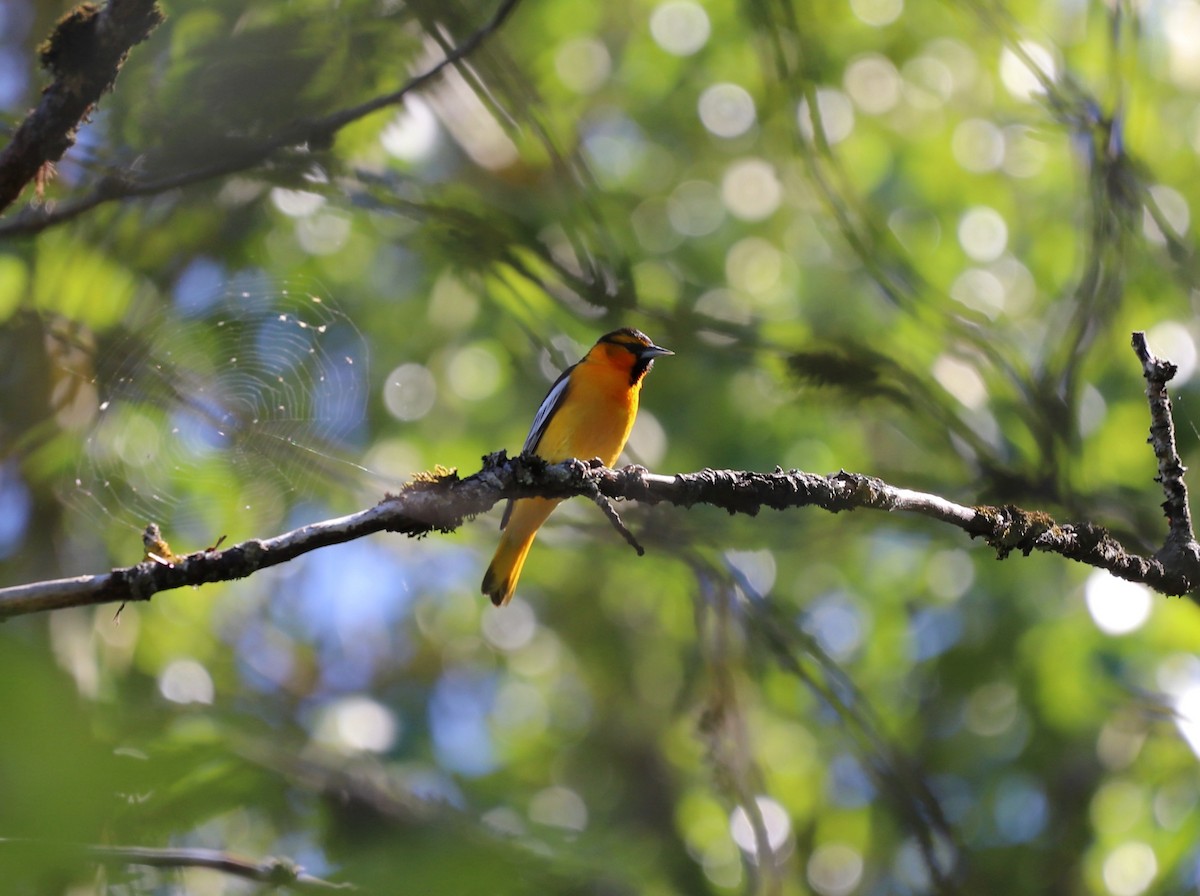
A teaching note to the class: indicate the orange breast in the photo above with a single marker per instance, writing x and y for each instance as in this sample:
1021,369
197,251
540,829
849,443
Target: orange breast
596,418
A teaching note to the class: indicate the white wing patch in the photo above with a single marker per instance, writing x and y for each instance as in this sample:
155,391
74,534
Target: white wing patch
550,404
541,420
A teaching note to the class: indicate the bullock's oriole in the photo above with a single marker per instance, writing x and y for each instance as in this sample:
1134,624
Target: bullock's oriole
587,413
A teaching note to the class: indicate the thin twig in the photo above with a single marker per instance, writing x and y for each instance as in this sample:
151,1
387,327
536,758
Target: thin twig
273,871
610,512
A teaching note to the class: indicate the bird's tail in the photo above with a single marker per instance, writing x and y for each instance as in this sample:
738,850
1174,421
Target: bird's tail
500,580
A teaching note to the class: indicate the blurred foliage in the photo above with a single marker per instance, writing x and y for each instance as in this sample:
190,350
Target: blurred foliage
902,238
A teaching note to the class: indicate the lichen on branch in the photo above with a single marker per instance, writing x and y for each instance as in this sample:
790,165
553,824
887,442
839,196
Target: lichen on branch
442,501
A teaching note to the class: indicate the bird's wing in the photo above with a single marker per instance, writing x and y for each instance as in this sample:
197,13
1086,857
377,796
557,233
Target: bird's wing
550,405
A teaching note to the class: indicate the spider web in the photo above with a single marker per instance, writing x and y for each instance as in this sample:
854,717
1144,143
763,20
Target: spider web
218,422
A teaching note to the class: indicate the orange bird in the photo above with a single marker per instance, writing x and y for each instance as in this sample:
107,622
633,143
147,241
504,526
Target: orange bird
588,412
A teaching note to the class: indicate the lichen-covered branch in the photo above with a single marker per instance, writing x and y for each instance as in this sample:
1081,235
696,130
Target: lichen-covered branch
443,504
84,53
443,501
1180,549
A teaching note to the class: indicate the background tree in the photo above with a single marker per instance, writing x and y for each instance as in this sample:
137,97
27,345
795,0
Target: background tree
896,238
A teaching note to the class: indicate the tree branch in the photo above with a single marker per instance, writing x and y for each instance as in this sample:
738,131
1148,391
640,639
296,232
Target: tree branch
275,872
1180,548
85,52
442,502
305,132
272,871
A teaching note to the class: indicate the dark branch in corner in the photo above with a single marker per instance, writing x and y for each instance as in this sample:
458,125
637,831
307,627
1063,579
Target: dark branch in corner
303,133
443,502
85,52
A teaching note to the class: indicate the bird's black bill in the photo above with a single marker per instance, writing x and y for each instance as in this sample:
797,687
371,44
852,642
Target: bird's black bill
653,351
